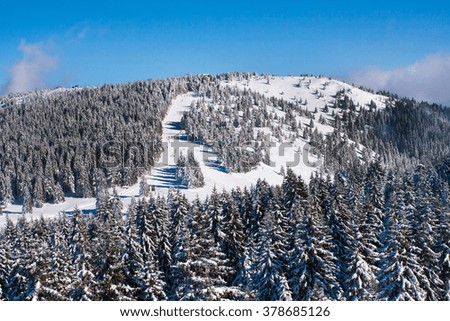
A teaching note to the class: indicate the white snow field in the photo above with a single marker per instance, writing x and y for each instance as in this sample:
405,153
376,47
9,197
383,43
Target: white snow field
313,92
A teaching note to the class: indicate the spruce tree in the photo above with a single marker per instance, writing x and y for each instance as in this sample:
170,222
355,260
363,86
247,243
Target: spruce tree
399,273
83,283
269,282
312,265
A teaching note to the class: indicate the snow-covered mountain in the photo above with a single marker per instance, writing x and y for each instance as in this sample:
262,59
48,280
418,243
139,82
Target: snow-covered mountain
284,188
316,97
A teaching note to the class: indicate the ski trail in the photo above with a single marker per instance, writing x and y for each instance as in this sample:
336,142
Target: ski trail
162,176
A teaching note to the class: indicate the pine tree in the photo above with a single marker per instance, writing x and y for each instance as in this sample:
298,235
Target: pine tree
6,194
147,239
360,282
233,244
144,189
178,206
312,274
216,219
442,231
132,257
399,273
268,280
5,266
38,193
56,276
292,186
27,207
163,250
181,276
371,213
338,217
83,282
207,262
110,270
424,241
23,278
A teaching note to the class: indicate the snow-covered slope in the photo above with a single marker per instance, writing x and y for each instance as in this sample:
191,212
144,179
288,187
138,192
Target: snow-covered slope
163,176
316,91
312,93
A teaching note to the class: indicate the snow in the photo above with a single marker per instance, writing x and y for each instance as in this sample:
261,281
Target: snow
287,88
314,92
163,176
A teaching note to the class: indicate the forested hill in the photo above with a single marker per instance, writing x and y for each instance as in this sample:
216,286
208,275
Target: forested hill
53,143
67,142
364,214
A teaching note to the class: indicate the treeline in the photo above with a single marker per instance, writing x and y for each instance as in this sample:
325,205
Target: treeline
366,235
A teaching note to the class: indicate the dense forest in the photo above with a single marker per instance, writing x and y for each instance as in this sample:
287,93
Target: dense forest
376,236
371,224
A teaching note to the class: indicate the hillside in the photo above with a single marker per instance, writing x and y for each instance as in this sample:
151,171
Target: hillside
303,103
240,127
230,187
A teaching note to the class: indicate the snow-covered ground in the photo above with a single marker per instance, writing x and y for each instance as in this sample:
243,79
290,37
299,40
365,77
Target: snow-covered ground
163,175
313,92
310,89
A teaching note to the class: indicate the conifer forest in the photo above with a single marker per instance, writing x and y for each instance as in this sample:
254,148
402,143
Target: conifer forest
369,220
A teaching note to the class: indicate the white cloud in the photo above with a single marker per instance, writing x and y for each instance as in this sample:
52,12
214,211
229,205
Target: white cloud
30,72
427,79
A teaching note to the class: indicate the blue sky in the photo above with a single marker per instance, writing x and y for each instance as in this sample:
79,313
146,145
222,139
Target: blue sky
94,42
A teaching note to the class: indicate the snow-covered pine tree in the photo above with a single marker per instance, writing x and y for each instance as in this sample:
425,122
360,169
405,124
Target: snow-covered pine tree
371,213
189,171
269,282
424,242
358,279
208,266
292,186
181,276
195,174
83,284
178,207
23,277
214,210
339,220
56,277
109,266
38,193
233,244
131,256
399,273
27,206
147,239
312,264
360,282
144,189
164,247
5,266
6,194
442,231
